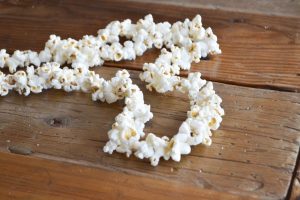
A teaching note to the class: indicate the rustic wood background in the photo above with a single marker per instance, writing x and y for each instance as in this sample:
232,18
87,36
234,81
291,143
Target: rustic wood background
60,135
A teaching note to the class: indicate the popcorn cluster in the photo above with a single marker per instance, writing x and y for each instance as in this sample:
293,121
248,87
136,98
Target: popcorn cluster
187,43
193,40
51,75
205,115
184,42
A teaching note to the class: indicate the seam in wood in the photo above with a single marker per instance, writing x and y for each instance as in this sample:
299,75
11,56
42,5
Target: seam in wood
259,86
294,176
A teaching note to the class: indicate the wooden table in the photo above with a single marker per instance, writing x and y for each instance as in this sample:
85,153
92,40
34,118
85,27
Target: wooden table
253,155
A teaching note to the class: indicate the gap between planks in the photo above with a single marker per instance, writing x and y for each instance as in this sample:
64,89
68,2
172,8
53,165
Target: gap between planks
294,189
184,73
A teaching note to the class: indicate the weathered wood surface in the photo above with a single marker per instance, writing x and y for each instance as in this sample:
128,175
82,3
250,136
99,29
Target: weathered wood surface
258,50
33,178
254,153
284,8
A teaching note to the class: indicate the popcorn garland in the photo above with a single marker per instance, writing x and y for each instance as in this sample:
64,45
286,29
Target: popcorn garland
187,42
190,37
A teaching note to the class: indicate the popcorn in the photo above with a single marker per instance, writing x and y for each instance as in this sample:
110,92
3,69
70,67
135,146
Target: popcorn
4,86
163,74
45,55
126,28
179,147
180,37
21,86
3,57
128,51
185,42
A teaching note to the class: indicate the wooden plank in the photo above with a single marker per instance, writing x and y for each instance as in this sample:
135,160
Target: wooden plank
258,50
254,153
266,7
32,178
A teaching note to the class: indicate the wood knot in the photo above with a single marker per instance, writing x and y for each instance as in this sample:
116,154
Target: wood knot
237,20
58,122
20,150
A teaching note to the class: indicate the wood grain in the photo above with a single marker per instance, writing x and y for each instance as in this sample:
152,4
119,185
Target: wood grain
32,178
258,50
283,8
254,153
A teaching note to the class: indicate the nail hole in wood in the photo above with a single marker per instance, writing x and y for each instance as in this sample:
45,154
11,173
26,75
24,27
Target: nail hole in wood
58,122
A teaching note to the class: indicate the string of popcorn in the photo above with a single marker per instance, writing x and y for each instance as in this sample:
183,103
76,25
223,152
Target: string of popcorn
184,42
193,40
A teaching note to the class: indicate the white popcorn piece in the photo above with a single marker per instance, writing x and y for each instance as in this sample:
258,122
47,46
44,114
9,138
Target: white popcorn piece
179,147
4,86
3,57
45,55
